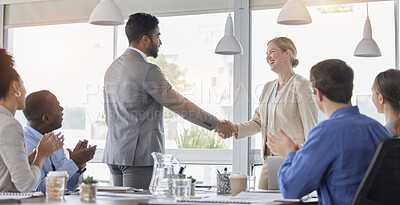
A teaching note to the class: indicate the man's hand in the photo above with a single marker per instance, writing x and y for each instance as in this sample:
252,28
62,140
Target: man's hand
233,127
281,147
81,153
225,129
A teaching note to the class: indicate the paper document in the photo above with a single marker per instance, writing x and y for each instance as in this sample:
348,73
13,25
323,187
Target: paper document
125,196
12,195
117,188
259,196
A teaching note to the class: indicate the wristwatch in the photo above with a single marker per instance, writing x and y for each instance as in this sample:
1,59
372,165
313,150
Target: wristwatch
81,170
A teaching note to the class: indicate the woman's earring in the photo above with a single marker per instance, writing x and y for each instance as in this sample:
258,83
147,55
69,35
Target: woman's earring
18,94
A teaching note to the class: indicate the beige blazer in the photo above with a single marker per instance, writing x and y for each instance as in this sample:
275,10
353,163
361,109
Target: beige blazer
296,113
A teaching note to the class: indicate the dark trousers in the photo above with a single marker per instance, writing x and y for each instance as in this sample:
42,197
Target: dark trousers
131,176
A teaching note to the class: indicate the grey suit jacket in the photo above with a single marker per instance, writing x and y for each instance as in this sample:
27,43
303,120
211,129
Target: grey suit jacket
15,172
135,93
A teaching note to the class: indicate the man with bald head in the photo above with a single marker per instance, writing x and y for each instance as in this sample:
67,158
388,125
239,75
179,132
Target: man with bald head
44,114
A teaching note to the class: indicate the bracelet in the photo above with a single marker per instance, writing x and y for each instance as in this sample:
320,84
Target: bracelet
36,154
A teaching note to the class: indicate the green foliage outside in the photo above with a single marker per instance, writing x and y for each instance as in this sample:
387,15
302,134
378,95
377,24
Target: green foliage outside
174,74
200,138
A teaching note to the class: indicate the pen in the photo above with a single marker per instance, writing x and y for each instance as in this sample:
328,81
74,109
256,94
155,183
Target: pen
225,170
218,171
181,170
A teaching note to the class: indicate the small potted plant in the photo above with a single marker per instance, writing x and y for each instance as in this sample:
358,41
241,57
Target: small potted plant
88,189
193,187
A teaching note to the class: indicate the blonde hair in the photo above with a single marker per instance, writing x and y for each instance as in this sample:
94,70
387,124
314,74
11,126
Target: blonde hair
285,43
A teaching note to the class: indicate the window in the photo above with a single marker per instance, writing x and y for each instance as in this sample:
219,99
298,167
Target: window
70,60
187,59
334,33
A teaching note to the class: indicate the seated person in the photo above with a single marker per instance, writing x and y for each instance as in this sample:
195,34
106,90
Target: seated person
44,114
338,150
386,98
18,172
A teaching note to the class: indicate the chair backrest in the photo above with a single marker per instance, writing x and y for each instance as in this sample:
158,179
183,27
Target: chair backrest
273,165
381,182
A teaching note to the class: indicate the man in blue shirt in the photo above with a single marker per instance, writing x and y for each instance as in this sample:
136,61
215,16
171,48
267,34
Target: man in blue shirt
338,150
44,114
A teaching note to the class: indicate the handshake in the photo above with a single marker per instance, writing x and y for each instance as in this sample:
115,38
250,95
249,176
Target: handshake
226,129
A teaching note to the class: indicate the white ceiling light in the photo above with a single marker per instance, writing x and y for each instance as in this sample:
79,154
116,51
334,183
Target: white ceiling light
229,44
294,13
367,46
106,13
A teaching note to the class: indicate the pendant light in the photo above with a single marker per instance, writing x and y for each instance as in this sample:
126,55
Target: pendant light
229,44
106,13
367,46
294,13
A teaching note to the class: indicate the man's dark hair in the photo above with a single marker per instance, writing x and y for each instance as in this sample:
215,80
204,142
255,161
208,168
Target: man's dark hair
7,72
36,105
138,25
334,78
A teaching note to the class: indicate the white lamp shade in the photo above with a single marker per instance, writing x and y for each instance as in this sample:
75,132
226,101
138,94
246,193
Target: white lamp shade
294,13
229,45
106,13
367,46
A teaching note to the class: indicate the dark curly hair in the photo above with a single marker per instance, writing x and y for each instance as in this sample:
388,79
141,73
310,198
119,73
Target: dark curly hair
7,72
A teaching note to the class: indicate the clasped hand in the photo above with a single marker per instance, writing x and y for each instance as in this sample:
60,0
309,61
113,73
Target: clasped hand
82,153
226,129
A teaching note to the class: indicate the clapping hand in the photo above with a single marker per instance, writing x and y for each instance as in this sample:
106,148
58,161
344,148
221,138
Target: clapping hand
281,147
82,153
226,129
58,141
49,143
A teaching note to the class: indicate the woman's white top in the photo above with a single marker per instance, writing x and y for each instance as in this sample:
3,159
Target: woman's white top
272,102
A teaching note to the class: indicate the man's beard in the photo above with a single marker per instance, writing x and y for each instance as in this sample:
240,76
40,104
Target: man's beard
153,49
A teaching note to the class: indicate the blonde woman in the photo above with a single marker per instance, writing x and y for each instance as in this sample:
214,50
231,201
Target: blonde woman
18,173
386,98
285,103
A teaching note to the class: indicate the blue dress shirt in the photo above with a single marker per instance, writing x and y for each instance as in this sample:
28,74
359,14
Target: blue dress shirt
334,158
58,159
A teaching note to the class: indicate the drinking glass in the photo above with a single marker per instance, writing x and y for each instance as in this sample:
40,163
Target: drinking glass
181,188
55,188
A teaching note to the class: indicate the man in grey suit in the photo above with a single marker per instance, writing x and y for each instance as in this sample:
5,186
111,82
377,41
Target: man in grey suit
135,93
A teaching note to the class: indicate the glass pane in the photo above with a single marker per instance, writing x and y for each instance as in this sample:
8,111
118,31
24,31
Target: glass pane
68,60
188,60
334,33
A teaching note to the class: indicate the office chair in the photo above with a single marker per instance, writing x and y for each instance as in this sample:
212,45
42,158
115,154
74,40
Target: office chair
381,182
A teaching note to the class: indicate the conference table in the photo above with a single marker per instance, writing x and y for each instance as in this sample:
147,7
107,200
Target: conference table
140,198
